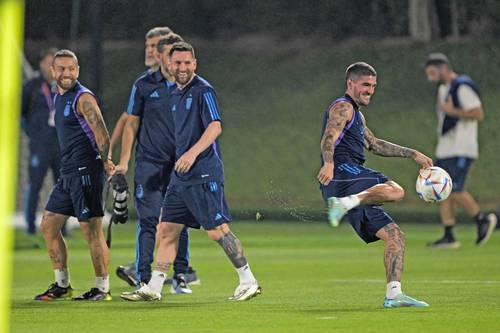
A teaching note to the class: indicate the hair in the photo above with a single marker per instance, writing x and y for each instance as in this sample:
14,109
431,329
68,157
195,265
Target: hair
65,54
169,39
437,59
181,47
158,31
46,52
354,71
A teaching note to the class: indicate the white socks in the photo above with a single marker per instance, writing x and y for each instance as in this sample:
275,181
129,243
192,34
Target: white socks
350,202
102,283
157,280
62,277
393,289
245,274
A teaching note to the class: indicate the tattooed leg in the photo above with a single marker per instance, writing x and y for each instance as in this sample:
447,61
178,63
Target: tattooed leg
51,226
233,249
99,252
394,251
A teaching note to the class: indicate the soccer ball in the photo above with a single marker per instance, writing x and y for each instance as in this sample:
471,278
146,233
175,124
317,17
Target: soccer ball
433,184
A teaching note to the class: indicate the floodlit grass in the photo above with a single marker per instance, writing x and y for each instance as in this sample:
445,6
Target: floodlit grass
314,279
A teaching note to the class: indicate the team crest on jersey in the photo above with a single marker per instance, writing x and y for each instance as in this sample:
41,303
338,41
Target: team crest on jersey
139,192
154,94
67,109
173,108
189,101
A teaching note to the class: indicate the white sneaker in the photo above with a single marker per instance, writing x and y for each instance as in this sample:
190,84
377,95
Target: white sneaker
179,285
144,293
336,210
246,291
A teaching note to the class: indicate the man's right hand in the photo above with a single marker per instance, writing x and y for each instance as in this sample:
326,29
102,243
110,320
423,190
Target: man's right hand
325,174
121,168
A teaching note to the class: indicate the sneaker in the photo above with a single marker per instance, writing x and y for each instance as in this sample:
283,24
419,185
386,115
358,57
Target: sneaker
143,294
444,243
127,274
485,229
246,291
191,277
55,292
94,294
336,210
179,285
403,300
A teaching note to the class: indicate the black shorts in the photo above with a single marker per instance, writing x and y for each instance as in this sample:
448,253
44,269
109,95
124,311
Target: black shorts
350,179
457,168
79,196
198,205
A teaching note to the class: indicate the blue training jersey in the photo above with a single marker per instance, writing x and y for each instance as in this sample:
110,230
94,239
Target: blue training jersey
76,140
149,100
193,109
350,146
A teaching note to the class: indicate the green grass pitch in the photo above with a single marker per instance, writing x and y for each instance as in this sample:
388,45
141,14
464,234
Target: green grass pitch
314,279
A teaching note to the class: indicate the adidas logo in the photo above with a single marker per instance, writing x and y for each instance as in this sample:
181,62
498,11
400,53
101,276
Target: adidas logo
154,94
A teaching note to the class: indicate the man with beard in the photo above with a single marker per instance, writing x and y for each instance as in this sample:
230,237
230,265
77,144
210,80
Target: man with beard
195,195
357,192
459,111
84,145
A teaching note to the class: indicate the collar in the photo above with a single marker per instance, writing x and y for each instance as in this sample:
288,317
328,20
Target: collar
356,106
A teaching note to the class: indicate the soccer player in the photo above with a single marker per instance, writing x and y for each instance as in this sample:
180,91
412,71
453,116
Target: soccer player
195,195
150,121
84,144
128,273
37,120
357,192
459,111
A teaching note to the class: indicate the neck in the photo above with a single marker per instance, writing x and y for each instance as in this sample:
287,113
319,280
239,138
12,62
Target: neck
450,77
154,68
182,86
167,75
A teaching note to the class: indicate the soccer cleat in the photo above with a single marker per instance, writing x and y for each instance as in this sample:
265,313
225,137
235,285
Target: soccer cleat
127,274
54,292
485,229
94,294
143,294
444,243
191,277
179,285
402,301
246,291
336,210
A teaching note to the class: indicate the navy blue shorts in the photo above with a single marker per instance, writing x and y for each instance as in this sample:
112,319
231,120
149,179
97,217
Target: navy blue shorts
351,179
79,196
199,205
457,168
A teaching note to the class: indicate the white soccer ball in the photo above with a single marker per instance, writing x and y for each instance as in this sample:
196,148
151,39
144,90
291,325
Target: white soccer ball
433,184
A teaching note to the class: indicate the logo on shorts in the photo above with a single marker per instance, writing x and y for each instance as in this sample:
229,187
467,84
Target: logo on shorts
213,186
189,101
85,211
67,109
173,108
218,217
139,192
35,161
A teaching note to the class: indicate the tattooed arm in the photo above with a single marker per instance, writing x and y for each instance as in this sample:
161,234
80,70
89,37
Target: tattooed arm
88,108
338,117
388,149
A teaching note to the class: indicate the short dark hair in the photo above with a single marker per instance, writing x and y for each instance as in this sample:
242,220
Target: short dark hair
437,59
181,47
46,52
357,69
158,31
65,54
169,39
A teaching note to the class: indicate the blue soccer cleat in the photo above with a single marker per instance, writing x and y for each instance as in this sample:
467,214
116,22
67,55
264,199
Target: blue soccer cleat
402,301
336,210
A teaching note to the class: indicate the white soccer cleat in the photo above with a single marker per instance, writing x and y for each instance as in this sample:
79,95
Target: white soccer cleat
143,294
246,291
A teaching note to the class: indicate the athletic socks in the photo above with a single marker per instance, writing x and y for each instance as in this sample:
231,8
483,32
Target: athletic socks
448,232
157,280
350,202
245,274
102,283
62,277
393,289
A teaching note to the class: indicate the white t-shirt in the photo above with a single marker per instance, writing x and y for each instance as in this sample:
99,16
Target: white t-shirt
460,141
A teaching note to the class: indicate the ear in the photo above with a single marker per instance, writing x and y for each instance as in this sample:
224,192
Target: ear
194,64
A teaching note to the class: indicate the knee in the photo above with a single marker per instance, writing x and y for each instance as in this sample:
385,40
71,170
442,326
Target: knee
397,192
218,232
167,234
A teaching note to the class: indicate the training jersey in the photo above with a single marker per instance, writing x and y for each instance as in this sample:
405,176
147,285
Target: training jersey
193,108
149,100
350,145
460,140
38,112
76,140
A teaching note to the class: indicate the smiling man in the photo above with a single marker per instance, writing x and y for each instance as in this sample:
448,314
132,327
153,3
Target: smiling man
357,192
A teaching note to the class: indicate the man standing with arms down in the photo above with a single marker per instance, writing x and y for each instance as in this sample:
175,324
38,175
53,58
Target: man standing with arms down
195,195
84,144
357,192
459,111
